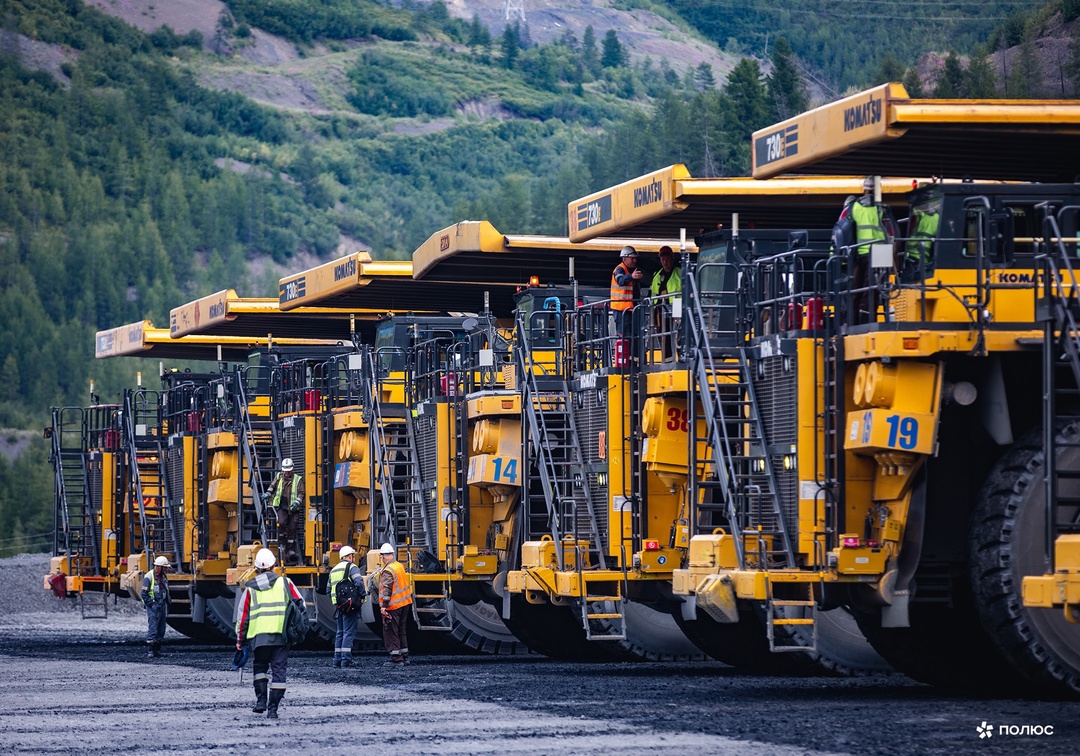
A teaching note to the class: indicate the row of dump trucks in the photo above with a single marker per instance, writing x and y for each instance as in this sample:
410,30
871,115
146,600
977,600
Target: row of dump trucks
789,465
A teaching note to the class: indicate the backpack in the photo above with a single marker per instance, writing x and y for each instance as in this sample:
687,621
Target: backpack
349,596
296,624
843,235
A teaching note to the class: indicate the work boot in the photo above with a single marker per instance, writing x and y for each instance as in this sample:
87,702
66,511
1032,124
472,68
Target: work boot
260,696
346,661
149,650
156,649
275,698
337,660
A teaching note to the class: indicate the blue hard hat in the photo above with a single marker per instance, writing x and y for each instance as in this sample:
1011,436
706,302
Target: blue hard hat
240,658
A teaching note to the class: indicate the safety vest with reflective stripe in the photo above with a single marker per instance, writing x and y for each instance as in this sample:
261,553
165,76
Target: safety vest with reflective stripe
622,297
401,595
336,574
266,613
152,590
280,487
869,225
922,236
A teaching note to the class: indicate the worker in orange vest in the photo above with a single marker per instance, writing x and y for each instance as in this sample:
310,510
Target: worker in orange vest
625,284
395,598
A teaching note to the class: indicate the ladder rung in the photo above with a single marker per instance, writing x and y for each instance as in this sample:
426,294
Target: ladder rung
779,621
789,602
607,637
605,615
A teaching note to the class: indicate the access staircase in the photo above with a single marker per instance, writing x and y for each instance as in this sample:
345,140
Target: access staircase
75,531
560,501
734,435
404,515
155,529
259,450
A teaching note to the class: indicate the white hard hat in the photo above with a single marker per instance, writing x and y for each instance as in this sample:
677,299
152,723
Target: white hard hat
162,562
265,559
287,465
346,551
868,184
628,251
386,549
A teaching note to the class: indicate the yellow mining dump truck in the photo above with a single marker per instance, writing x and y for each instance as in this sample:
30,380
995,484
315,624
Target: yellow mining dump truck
506,501
131,478
906,445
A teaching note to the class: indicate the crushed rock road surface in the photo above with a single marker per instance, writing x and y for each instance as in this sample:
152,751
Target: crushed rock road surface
84,686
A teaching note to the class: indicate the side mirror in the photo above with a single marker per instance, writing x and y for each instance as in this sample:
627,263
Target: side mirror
1000,237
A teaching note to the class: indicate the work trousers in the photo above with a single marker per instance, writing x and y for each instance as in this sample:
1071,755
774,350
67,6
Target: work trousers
394,622
346,631
287,522
271,663
155,622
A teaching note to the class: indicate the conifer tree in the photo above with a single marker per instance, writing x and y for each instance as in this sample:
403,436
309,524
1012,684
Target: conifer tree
785,87
613,55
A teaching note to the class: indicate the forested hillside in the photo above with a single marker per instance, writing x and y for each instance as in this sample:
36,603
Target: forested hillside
843,44
141,169
126,187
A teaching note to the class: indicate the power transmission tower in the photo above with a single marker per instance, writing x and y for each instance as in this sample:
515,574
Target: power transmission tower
514,9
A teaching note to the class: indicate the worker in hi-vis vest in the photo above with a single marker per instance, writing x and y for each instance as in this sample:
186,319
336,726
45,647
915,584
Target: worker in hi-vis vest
286,496
873,223
261,622
395,598
625,285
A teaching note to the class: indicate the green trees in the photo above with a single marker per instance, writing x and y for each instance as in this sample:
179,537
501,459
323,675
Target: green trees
785,88
613,55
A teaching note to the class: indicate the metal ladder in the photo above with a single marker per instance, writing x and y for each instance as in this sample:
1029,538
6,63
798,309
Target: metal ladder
735,436
603,617
556,463
74,533
259,447
776,616
155,530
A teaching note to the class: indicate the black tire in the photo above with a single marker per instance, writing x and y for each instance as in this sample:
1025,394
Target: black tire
1007,539
479,627
556,632
744,644
842,649
217,627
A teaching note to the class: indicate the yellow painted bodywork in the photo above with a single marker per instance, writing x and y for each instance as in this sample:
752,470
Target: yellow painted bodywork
1062,587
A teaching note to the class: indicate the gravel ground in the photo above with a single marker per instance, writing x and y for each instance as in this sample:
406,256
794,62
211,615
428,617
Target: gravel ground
78,686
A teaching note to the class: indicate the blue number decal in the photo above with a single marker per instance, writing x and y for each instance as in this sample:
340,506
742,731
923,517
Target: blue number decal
498,468
903,432
511,470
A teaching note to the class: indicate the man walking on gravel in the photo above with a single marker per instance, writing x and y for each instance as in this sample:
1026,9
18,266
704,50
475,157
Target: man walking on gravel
395,598
155,597
262,622
346,612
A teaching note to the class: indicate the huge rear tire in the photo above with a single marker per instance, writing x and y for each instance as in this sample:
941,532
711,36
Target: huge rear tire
1008,542
479,627
842,649
217,627
556,632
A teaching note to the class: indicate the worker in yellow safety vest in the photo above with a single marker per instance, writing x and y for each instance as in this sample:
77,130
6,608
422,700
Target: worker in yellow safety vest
262,623
395,598
919,248
155,598
286,497
873,223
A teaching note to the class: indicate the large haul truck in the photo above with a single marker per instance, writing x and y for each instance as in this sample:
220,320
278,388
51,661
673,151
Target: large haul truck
914,464
126,482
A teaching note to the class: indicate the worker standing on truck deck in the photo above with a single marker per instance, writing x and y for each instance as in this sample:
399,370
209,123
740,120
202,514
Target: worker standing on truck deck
666,282
262,622
625,286
286,496
919,248
873,223
155,597
346,617
395,598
